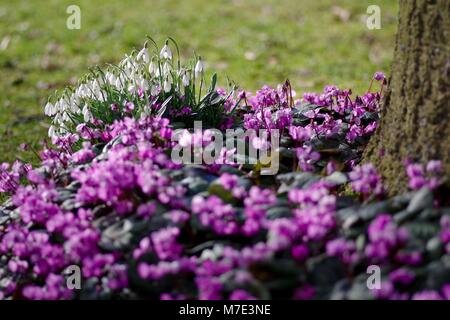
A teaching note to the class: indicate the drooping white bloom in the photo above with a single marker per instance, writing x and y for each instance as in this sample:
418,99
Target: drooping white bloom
167,84
185,79
49,109
143,55
65,116
82,90
74,108
152,69
129,66
166,69
199,67
111,78
51,131
57,118
166,53
118,83
57,107
74,99
87,115
63,105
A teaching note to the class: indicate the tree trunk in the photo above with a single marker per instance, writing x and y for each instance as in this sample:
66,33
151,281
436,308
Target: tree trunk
415,121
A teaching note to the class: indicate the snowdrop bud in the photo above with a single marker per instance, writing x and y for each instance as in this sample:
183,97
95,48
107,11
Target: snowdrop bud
165,52
185,79
199,67
167,84
143,55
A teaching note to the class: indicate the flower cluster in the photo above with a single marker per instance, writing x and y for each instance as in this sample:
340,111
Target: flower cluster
385,238
365,179
420,176
315,210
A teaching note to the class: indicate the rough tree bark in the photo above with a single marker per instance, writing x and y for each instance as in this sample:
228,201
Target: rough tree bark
415,121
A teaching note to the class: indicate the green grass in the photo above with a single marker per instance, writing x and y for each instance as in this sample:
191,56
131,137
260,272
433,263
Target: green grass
253,42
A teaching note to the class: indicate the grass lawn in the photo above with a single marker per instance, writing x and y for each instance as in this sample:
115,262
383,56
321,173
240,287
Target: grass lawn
253,42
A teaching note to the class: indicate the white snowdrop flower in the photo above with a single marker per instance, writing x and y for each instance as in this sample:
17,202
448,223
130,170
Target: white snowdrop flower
86,88
81,90
48,109
65,116
143,55
63,106
111,78
57,107
158,73
199,67
74,108
166,53
95,94
51,131
185,79
152,68
85,108
58,118
166,69
101,96
74,99
118,84
167,84
87,115
89,85
124,61
127,62
123,79
95,85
